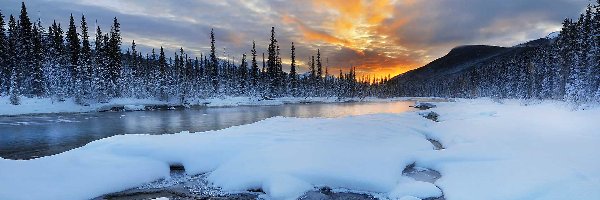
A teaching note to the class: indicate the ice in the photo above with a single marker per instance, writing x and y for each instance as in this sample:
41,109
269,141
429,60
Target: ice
134,107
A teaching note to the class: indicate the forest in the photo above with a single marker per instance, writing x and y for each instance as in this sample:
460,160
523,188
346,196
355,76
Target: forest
53,63
564,67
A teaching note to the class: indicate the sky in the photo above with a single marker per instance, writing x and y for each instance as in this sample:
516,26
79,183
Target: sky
378,37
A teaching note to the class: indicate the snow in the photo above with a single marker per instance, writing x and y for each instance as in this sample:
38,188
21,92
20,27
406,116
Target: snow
492,151
510,151
47,105
553,35
410,188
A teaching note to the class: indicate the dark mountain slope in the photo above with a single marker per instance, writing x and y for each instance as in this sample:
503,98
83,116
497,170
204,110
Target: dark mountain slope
523,71
457,60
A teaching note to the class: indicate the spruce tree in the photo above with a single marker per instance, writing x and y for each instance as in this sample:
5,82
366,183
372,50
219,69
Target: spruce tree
85,60
114,58
73,51
313,71
13,42
293,74
37,73
254,70
272,63
319,66
15,93
4,65
100,71
214,64
243,76
25,53
319,77
59,76
162,66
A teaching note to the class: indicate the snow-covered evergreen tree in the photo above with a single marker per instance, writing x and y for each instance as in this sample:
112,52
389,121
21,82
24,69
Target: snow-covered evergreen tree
4,65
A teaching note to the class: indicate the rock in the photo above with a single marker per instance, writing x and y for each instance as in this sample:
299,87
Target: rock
424,106
325,190
433,116
326,193
111,108
436,144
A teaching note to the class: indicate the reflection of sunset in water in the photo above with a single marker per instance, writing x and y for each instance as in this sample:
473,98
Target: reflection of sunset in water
346,109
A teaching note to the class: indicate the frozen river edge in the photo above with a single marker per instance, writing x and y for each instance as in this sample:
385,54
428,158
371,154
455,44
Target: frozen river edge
32,106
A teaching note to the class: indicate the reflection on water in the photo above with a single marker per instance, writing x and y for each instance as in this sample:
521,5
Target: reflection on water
26,137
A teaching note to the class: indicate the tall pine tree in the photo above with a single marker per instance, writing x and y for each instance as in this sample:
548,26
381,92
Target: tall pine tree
85,61
13,64
214,64
293,74
114,58
25,53
73,50
162,67
4,65
254,69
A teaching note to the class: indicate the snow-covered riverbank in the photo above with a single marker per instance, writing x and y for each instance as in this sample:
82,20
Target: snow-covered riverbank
492,151
47,105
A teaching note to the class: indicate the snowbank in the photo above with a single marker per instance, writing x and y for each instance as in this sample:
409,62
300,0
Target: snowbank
47,105
544,150
493,151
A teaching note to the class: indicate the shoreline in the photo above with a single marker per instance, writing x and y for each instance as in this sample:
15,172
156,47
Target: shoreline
38,106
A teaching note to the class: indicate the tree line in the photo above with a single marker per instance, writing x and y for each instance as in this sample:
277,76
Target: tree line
54,63
564,68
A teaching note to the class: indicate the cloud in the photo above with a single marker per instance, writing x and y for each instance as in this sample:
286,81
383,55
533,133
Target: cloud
311,34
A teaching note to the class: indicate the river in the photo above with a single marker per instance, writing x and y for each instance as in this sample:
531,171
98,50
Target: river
33,136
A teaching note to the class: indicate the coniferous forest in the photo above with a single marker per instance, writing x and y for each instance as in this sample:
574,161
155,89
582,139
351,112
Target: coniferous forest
564,67
90,66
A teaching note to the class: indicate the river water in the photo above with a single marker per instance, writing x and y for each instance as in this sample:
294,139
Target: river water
32,136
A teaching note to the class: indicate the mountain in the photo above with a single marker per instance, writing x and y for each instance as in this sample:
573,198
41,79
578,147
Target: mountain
464,58
554,67
459,59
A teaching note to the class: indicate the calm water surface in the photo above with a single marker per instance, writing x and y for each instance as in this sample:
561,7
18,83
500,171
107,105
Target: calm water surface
32,136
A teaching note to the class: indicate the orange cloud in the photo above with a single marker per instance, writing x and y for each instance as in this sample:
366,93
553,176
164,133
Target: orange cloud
312,34
361,26
364,24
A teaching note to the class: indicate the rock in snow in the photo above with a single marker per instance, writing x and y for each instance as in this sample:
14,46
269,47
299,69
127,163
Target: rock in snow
492,151
424,106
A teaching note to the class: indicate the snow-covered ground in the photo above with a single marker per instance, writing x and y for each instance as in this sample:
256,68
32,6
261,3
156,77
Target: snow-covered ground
47,105
492,151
